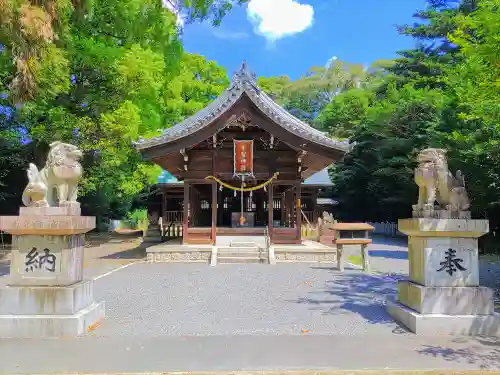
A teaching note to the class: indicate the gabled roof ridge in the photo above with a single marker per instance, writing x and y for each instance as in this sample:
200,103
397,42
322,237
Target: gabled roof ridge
243,81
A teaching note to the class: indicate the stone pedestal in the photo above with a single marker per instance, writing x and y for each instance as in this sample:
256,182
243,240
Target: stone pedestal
442,295
327,234
153,234
47,295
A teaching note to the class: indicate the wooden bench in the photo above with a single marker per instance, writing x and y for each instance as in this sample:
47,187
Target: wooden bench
352,234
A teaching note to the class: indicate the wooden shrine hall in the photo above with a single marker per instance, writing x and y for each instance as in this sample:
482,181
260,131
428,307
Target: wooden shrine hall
239,167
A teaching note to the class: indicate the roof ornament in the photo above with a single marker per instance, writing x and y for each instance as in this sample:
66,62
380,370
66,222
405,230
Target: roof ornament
242,76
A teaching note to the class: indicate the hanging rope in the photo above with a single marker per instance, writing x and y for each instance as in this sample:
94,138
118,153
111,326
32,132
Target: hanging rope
242,218
235,188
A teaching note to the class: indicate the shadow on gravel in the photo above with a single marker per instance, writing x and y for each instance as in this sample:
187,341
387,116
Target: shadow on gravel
389,254
482,351
389,241
355,292
138,252
4,268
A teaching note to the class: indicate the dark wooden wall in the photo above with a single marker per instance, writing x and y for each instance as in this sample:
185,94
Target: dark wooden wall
205,160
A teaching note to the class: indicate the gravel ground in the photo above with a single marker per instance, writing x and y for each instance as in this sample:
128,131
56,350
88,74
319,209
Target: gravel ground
390,256
196,299
193,317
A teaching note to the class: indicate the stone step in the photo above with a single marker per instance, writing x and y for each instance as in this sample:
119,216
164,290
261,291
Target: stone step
233,260
245,254
242,244
248,249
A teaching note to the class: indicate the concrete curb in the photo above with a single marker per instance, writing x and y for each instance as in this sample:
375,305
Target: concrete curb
339,372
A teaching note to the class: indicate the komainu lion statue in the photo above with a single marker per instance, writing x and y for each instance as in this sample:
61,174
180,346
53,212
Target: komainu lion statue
61,175
436,183
328,218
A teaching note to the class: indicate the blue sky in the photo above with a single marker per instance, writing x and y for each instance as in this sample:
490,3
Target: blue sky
287,37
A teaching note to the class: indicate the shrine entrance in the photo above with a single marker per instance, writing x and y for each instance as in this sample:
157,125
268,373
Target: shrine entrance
233,204
239,167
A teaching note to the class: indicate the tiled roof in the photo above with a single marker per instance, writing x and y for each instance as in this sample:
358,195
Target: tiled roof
326,202
243,82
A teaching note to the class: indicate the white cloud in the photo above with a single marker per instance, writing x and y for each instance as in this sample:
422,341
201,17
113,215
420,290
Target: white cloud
275,19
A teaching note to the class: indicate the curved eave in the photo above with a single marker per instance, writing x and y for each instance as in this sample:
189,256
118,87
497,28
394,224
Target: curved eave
225,101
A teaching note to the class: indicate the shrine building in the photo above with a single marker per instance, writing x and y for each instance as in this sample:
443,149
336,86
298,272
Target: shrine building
242,165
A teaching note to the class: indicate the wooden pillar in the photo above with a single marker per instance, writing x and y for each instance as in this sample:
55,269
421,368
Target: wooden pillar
214,211
163,224
298,210
163,204
290,207
283,210
185,225
270,209
315,207
218,217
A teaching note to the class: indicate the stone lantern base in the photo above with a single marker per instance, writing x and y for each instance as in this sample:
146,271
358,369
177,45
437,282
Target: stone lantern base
442,295
47,295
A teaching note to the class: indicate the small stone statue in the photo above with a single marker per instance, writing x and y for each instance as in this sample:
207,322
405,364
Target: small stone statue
324,222
436,183
328,218
153,217
61,173
35,193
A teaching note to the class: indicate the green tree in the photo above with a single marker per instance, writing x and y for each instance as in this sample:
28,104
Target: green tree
375,181
38,34
406,105
476,80
190,87
308,95
474,86
346,112
103,73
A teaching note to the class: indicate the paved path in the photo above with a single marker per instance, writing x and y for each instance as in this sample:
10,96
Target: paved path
232,353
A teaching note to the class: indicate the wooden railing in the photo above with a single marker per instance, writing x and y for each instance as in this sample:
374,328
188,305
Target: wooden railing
173,216
172,230
310,216
309,232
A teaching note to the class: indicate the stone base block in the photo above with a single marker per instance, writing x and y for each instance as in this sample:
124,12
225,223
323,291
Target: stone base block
47,260
40,300
453,228
179,254
443,261
442,324
440,214
306,255
446,300
51,326
73,210
47,224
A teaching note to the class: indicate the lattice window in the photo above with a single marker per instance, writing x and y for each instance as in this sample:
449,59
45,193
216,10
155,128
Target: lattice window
204,205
